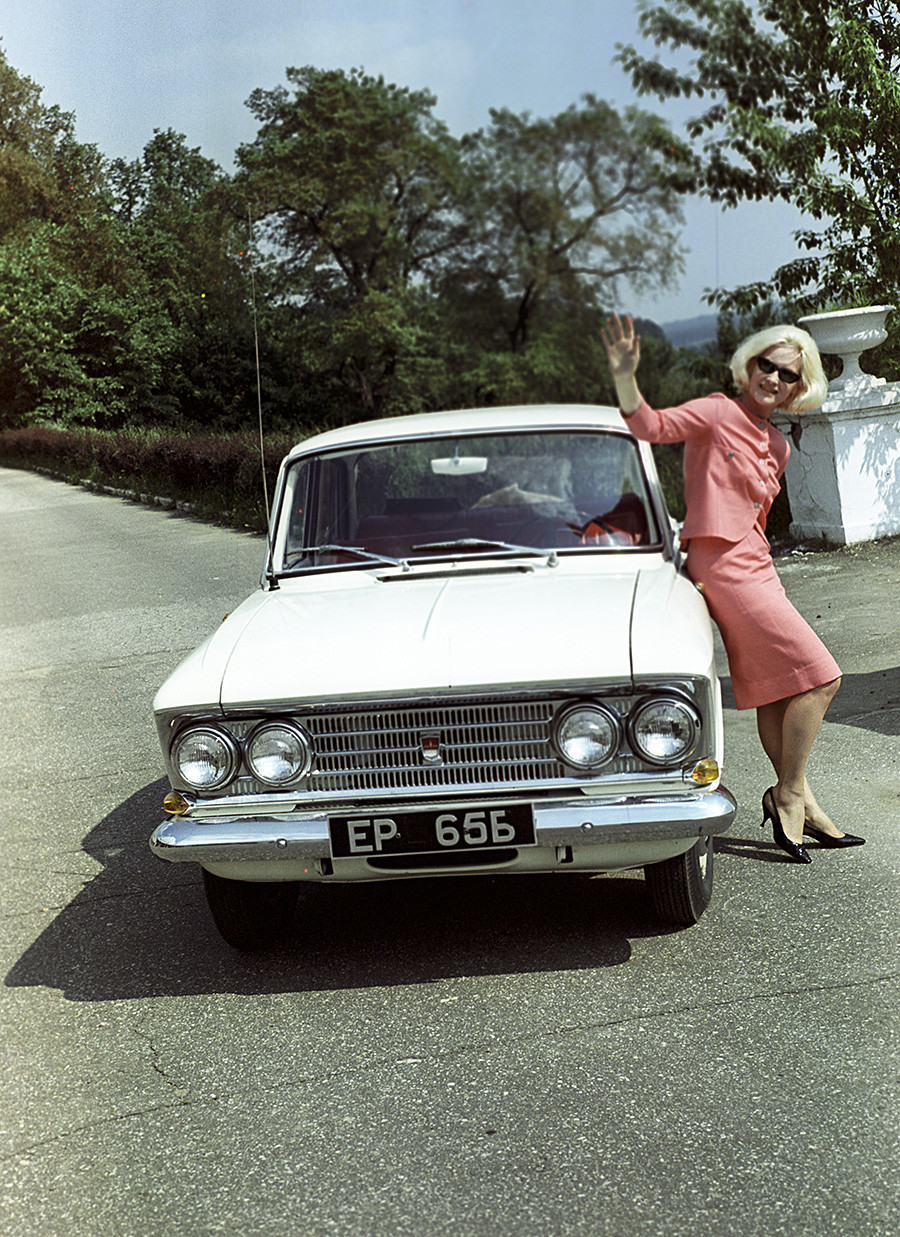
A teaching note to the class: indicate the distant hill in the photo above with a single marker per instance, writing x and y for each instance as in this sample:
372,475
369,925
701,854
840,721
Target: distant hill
692,332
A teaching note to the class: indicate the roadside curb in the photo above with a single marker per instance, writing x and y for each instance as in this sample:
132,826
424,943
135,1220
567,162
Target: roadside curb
223,520
97,487
147,500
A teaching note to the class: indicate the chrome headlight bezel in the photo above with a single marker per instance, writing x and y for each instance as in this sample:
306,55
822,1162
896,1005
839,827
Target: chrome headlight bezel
299,742
679,710
229,761
567,719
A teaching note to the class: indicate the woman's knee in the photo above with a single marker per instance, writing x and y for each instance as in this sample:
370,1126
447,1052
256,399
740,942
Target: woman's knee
827,692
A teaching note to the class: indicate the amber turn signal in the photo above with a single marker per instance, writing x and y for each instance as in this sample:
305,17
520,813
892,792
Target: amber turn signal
175,804
705,771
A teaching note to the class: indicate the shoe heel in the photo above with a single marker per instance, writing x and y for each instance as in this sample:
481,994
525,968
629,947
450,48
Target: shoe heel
797,852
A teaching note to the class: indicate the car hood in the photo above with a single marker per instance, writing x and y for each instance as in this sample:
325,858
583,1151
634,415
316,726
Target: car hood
364,635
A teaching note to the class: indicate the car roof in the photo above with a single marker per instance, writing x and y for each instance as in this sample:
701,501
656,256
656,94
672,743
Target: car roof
466,421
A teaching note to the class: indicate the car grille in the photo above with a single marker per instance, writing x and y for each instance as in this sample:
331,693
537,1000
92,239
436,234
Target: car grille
482,745
478,744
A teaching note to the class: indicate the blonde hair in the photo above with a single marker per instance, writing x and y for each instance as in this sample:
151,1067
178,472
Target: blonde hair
813,383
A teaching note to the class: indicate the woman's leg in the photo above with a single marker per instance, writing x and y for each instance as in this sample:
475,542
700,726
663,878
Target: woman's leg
770,725
787,730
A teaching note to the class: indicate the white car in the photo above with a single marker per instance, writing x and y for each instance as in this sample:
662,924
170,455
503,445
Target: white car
474,649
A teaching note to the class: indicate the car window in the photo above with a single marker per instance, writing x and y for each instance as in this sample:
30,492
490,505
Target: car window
417,499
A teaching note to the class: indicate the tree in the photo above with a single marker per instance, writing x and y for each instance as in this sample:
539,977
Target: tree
67,341
45,174
569,206
804,106
356,184
191,265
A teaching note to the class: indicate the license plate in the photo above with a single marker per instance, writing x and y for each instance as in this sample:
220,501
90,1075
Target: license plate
438,830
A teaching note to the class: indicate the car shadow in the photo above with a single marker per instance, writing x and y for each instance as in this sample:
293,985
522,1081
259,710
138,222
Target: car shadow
141,927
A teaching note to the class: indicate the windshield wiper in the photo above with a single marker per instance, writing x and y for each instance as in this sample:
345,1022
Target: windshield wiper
346,549
476,543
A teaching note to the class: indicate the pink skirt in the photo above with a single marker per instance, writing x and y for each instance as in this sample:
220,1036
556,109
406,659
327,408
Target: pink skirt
773,653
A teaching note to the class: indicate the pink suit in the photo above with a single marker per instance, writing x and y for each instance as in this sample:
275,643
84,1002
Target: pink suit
733,462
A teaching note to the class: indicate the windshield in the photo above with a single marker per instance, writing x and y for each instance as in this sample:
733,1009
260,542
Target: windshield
483,494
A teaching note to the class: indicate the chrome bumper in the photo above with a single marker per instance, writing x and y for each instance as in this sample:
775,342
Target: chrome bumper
577,823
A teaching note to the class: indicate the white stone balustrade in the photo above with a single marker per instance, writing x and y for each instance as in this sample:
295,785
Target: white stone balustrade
843,477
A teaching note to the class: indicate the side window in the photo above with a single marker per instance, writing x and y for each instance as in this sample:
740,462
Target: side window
330,501
296,499
319,498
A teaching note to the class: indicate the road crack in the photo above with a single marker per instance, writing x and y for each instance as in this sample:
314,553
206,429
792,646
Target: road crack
325,1077
54,1139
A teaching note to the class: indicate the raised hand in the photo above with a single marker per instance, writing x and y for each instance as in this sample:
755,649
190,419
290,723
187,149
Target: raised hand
623,346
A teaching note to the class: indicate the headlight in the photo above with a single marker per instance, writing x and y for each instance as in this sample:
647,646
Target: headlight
278,753
587,736
663,731
205,757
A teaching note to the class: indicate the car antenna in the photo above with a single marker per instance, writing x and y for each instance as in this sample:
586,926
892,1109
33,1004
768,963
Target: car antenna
269,572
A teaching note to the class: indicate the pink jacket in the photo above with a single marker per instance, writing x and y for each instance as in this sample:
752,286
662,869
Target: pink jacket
732,462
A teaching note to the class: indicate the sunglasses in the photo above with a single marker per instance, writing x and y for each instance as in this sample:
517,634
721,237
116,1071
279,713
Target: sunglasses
769,367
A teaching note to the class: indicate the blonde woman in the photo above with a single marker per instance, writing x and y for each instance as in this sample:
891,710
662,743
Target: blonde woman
733,461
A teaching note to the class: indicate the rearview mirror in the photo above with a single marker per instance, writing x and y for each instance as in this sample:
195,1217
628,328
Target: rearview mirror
459,465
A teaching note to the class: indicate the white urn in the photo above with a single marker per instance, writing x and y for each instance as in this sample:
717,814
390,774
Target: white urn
843,476
847,333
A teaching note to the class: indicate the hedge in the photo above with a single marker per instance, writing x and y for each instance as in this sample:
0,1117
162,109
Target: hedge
219,476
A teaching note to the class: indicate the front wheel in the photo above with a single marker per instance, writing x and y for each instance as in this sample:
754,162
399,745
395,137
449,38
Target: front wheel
681,888
251,914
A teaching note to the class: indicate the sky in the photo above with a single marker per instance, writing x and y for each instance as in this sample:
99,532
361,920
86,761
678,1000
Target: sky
127,67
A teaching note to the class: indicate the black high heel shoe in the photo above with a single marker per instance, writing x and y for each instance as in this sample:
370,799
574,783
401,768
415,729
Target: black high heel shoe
825,839
797,852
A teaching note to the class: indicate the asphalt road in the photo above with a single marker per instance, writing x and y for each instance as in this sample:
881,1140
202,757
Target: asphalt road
518,1057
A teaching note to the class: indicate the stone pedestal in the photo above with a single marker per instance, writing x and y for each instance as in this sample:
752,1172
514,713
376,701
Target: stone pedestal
843,477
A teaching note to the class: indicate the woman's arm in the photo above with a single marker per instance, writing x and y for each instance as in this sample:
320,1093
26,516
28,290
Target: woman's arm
623,348
696,419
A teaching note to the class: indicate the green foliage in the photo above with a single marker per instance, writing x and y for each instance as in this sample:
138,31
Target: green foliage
66,334
71,352
190,255
390,267
378,264
803,105
357,185
45,175
124,295
355,177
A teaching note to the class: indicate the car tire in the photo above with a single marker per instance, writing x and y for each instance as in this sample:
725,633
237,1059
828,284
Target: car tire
251,914
681,888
